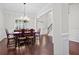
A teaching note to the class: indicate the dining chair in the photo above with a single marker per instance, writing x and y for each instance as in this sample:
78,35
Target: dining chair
10,39
21,39
31,37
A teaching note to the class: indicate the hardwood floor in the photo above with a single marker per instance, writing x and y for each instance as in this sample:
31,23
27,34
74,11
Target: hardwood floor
73,48
43,46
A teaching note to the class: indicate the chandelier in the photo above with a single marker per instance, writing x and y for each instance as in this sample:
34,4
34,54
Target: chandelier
24,18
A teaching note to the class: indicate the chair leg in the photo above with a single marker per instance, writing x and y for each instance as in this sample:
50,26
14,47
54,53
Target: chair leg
32,41
15,43
7,43
25,42
18,43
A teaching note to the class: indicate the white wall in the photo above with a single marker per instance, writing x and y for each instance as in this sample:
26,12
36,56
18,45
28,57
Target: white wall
43,22
74,22
50,21
2,31
9,19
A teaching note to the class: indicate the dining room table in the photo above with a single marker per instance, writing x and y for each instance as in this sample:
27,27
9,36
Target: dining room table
20,33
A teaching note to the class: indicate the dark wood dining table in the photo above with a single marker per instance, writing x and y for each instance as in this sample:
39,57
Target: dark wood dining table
16,34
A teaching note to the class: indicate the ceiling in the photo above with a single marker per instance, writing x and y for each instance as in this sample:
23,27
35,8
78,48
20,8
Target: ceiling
32,9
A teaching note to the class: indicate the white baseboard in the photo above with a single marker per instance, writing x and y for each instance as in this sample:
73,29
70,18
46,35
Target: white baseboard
74,36
74,40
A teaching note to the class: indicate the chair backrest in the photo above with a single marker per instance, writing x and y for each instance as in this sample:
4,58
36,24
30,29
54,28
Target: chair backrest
7,33
32,30
23,32
17,30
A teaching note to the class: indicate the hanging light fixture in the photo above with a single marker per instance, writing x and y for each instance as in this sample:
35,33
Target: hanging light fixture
24,18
